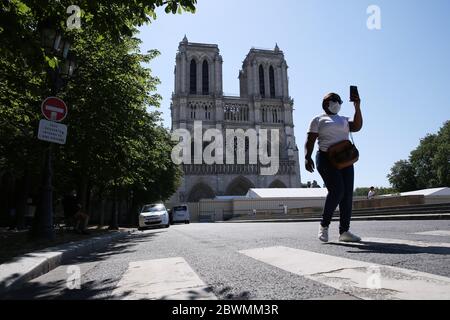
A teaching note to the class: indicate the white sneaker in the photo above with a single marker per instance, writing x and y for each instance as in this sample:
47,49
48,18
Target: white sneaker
323,234
349,237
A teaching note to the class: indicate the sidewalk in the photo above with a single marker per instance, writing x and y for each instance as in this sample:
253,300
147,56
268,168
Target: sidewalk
16,243
25,267
438,216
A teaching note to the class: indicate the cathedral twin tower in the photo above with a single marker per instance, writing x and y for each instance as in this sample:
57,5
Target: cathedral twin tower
263,103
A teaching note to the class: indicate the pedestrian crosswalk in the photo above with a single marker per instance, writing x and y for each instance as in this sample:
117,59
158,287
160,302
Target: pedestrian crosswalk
400,244
168,279
439,233
174,279
361,279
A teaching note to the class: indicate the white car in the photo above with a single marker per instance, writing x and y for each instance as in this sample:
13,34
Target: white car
181,214
153,215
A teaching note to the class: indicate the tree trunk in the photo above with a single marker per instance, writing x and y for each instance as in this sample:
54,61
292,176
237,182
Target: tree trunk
22,200
8,182
102,210
84,192
114,224
89,197
121,202
133,210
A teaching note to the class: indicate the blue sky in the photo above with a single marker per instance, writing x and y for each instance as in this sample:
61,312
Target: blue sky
402,70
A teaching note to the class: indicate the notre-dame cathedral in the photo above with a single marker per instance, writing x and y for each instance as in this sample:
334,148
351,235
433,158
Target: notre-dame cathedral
263,103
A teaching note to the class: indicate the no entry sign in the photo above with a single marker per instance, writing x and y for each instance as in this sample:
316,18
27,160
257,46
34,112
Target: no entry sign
54,109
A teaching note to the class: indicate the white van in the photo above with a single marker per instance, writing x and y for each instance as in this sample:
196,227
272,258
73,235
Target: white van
181,214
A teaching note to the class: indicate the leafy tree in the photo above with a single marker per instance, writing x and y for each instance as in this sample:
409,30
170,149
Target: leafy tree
109,127
441,159
117,18
421,160
428,165
363,192
431,159
108,98
115,144
402,176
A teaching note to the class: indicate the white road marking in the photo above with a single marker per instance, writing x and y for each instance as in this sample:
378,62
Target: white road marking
439,233
414,245
163,279
358,278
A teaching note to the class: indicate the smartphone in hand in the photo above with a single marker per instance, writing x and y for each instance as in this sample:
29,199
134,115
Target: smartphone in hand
354,95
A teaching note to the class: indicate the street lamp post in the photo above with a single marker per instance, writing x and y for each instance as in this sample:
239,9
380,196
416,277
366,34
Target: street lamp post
54,44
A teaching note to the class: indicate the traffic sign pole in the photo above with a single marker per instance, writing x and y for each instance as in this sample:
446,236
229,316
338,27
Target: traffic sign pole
54,110
45,227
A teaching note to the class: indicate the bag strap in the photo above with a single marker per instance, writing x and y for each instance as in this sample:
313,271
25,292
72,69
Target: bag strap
351,136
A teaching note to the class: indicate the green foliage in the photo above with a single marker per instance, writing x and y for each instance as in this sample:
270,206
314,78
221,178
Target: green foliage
441,158
363,192
431,160
114,17
402,176
428,165
113,142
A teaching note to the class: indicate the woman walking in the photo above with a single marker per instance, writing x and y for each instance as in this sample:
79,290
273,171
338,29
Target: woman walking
329,129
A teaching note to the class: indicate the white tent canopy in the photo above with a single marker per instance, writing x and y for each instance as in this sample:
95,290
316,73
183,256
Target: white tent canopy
428,192
299,193
287,193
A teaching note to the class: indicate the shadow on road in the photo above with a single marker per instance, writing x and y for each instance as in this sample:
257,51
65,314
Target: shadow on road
118,247
228,295
192,294
58,289
391,248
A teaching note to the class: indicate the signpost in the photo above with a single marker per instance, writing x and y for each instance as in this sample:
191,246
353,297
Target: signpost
50,130
54,110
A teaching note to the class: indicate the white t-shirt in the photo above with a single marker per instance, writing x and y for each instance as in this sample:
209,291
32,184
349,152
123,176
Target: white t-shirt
331,129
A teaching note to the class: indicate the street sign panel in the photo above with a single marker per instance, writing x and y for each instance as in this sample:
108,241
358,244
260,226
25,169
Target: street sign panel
52,132
54,109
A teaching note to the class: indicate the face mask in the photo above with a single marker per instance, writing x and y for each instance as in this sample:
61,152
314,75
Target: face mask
334,107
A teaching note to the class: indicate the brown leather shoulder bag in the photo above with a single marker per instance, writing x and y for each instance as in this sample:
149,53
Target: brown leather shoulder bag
343,154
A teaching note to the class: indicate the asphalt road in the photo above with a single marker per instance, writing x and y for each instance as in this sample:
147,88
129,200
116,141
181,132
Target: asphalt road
215,255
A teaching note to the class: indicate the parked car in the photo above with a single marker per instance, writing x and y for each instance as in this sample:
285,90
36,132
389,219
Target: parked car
181,214
153,215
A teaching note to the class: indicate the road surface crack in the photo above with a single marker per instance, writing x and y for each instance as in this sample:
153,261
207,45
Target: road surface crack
336,270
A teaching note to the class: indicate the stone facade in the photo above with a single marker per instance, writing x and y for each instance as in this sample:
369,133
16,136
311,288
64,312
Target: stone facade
263,103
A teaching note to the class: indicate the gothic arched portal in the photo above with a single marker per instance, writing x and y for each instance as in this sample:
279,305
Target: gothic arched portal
277,184
239,187
200,191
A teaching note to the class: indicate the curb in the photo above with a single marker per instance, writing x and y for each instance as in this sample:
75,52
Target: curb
442,216
35,264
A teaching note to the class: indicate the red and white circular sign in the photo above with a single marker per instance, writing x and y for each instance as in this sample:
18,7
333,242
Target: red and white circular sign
54,109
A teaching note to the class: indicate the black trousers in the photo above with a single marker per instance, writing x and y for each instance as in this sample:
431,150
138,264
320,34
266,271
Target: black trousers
339,184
